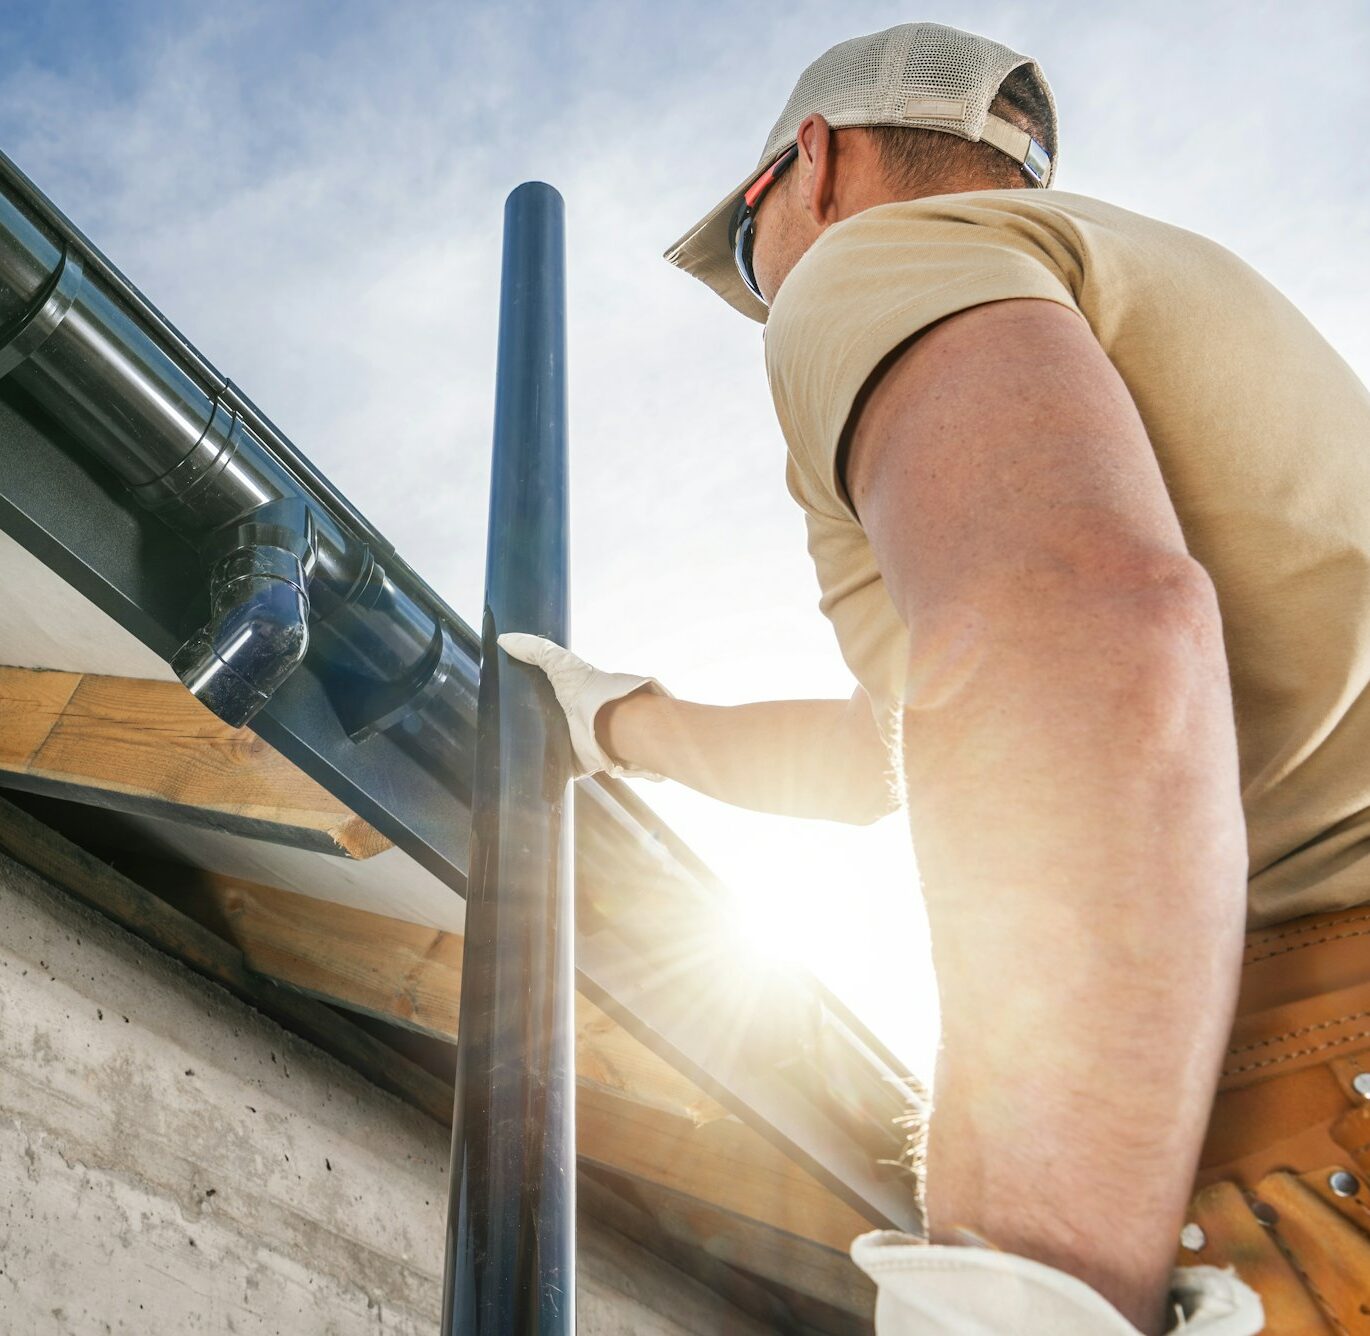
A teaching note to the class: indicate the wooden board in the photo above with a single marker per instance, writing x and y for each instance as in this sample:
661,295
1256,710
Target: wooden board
150,747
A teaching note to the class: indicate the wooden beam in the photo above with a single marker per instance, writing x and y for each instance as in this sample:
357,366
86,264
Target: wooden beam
150,747
636,1114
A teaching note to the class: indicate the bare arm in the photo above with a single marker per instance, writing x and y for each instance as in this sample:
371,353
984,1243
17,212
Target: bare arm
807,758
1073,790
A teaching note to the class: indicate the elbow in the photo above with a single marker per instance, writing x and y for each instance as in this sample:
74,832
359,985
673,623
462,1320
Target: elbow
1080,722
1120,670
1140,631
1157,674
258,631
1163,638
258,635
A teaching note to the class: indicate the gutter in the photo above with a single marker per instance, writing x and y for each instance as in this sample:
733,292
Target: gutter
188,449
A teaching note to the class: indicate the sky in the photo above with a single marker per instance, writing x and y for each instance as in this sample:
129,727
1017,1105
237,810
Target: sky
313,193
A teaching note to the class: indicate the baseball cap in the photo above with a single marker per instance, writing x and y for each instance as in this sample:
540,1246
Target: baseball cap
914,74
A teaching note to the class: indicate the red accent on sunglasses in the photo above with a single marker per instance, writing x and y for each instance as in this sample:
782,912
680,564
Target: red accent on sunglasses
763,182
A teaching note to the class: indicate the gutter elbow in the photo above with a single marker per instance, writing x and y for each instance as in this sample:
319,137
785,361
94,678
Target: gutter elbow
258,633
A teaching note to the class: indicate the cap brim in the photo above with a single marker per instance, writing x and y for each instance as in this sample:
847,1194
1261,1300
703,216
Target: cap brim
704,252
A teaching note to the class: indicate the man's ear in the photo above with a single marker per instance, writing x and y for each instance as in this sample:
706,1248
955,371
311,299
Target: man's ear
816,168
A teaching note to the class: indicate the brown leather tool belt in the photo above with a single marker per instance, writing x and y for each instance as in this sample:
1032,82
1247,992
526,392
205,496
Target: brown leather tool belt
1281,1190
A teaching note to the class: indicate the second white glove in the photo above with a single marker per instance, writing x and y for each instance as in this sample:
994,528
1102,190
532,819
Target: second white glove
581,691
958,1291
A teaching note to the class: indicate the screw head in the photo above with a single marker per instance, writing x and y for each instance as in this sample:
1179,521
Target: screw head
1360,1083
1343,1184
1265,1213
1193,1237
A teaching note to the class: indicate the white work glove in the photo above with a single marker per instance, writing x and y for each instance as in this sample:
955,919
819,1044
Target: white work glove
581,690
956,1291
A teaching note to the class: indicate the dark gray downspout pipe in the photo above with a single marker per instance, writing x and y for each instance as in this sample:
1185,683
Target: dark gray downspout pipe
511,1225
283,569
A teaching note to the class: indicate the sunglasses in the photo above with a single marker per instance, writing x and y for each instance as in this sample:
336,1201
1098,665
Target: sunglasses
741,233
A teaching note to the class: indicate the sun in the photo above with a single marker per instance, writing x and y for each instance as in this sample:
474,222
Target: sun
841,901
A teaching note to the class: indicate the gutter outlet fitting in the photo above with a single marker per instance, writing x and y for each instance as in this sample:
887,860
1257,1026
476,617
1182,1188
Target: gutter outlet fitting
258,632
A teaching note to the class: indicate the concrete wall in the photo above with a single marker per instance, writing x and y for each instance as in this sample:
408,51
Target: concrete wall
173,1162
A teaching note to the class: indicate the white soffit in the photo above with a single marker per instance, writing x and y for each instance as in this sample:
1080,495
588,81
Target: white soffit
391,883
46,623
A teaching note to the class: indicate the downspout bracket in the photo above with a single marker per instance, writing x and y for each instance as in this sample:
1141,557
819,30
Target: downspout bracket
376,708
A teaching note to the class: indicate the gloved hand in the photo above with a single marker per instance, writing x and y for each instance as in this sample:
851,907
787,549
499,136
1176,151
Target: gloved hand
581,691
959,1291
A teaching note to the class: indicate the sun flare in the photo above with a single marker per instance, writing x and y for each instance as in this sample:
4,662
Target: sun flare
839,900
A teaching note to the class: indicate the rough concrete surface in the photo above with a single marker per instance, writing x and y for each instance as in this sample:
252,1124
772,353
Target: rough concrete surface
171,1161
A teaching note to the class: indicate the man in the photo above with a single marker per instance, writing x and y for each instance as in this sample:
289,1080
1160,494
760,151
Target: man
1089,505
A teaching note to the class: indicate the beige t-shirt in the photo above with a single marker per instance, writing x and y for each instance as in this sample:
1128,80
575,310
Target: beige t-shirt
1261,431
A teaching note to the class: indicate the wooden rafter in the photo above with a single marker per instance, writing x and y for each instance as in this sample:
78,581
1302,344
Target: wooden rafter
150,747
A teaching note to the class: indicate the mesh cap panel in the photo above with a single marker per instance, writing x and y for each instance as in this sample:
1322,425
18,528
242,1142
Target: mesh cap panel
917,74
